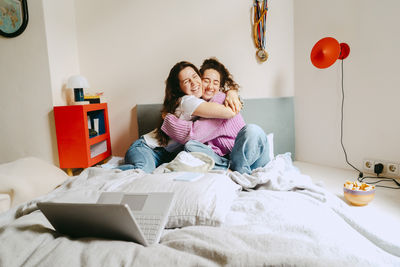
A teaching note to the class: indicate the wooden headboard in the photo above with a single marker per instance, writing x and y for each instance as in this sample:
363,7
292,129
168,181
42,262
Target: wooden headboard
274,115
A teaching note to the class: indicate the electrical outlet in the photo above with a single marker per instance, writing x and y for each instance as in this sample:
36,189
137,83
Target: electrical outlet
383,165
392,169
368,165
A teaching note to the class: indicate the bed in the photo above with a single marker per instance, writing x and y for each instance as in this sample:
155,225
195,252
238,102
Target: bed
277,216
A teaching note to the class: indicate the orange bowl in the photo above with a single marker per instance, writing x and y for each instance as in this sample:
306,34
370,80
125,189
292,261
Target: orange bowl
358,197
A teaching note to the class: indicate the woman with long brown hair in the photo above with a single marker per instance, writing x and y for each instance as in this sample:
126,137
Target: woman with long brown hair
182,98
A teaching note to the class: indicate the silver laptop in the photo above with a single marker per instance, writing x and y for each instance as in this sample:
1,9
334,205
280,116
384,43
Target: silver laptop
140,218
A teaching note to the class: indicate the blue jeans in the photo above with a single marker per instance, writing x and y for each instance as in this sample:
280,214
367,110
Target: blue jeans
221,163
141,156
249,152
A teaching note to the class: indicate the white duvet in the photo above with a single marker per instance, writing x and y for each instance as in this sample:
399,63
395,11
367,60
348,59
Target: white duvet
283,219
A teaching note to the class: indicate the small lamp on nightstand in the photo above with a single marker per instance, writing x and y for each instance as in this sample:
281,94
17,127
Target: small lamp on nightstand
78,82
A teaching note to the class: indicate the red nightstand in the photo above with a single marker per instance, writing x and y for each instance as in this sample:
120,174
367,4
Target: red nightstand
83,135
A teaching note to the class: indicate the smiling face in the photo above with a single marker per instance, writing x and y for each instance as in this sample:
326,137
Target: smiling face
211,83
190,82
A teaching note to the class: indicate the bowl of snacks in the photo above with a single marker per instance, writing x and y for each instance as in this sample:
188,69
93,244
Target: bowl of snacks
357,193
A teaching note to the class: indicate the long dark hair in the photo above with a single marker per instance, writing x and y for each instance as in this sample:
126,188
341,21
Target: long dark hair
227,81
173,93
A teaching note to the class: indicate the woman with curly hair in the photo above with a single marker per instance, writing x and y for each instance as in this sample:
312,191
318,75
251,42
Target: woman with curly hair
230,142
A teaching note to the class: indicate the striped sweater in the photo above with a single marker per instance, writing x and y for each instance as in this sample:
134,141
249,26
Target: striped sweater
219,134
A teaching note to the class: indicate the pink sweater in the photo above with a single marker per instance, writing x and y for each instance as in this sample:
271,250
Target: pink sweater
219,134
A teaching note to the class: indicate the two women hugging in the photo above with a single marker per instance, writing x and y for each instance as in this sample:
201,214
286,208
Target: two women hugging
201,112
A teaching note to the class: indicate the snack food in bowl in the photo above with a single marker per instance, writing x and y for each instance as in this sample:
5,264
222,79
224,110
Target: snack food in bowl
357,193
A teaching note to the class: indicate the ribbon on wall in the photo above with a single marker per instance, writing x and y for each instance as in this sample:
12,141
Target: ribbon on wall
260,8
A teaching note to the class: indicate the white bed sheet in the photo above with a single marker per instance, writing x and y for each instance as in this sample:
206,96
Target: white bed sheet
283,219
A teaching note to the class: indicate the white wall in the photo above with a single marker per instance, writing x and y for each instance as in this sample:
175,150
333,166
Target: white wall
127,49
371,82
62,47
25,93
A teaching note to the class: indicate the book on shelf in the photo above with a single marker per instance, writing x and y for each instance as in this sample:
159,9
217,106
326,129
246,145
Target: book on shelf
95,99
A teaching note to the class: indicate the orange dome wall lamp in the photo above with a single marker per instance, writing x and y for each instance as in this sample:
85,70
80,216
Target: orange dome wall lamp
324,53
327,50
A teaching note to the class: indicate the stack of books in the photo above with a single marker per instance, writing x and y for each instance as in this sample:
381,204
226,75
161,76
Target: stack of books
94,99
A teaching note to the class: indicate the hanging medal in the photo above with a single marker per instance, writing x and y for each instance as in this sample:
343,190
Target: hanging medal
259,27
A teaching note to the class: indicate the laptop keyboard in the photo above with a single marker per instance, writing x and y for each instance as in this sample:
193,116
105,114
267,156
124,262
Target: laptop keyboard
150,225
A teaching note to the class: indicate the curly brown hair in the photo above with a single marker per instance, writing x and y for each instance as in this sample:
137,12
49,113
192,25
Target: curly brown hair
173,93
227,82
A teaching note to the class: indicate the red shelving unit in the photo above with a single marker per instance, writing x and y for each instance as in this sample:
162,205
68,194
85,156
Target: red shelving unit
77,147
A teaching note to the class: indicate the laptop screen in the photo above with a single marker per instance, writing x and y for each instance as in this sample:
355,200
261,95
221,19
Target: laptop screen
135,202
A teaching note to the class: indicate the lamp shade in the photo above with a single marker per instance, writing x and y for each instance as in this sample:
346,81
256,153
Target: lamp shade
77,81
327,50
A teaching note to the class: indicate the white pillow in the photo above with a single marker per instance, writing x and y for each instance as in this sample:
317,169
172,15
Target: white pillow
270,138
205,201
27,178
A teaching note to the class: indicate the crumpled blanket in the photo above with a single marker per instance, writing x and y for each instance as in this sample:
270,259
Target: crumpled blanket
281,175
283,219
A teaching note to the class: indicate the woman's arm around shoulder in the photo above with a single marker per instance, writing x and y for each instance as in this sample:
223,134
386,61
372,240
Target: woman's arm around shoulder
202,130
214,108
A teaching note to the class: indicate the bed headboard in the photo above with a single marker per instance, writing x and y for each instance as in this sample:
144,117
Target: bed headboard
274,115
